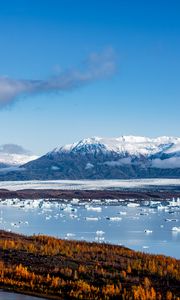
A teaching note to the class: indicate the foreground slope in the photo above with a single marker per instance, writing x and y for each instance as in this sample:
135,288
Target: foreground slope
111,158
60,269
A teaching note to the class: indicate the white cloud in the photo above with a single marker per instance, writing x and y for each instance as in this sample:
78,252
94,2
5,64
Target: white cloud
96,66
169,163
120,162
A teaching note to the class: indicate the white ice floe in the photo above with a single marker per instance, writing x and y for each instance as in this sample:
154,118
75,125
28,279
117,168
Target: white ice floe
14,225
100,232
148,231
91,219
133,204
176,229
114,219
99,239
93,208
70,234
163,207
74,201
68,208
111,201
174,202
96,201
123,213
72,216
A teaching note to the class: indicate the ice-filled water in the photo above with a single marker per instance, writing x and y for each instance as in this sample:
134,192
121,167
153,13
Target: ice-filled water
146,227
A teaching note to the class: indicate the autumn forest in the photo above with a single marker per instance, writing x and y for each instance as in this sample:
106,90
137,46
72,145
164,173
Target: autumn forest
60,269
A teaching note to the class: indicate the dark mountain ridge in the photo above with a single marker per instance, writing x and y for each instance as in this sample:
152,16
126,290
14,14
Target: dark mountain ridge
99,158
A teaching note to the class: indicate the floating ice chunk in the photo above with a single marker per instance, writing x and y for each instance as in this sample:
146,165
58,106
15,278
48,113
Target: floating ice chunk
45,204
14,225
148,231
114,219
93,208
133,204
69,209
70,234
91,219
61,215
134,218
100,232
74,201
162,207
96,201
99,239
111,200
146,203
73,216
174,203
56,216
123,213
176,229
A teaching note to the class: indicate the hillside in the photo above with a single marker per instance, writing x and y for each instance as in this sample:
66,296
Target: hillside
59,269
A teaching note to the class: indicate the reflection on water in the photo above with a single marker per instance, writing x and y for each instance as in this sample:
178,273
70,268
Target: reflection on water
13,296
143,228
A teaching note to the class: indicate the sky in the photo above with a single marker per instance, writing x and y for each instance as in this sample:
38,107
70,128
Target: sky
72,69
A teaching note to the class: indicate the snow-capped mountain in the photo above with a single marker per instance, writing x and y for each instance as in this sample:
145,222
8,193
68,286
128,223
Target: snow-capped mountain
107,158
14,155
131,145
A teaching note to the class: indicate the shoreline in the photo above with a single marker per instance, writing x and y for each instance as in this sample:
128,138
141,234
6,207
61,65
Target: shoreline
27,293
60,194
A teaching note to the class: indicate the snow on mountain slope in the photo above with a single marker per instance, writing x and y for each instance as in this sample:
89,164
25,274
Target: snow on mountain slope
104,158
132,145
14,155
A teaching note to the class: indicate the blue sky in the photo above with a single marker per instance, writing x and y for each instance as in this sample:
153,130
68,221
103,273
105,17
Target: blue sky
42,39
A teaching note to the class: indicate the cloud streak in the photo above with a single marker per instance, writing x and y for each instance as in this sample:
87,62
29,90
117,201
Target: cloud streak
95,67
169,163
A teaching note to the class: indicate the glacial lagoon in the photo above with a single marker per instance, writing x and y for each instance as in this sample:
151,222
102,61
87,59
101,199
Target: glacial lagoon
151,226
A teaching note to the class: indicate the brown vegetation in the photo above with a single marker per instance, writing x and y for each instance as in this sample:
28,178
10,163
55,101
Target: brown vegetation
60,269
88,194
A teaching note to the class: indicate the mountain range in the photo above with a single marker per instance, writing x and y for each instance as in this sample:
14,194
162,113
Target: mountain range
101,158
12,156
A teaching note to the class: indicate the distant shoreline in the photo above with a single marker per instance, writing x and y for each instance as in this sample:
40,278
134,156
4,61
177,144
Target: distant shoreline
60,194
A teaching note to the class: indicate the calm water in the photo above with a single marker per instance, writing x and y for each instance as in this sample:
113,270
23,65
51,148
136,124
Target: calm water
112,223
13,296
